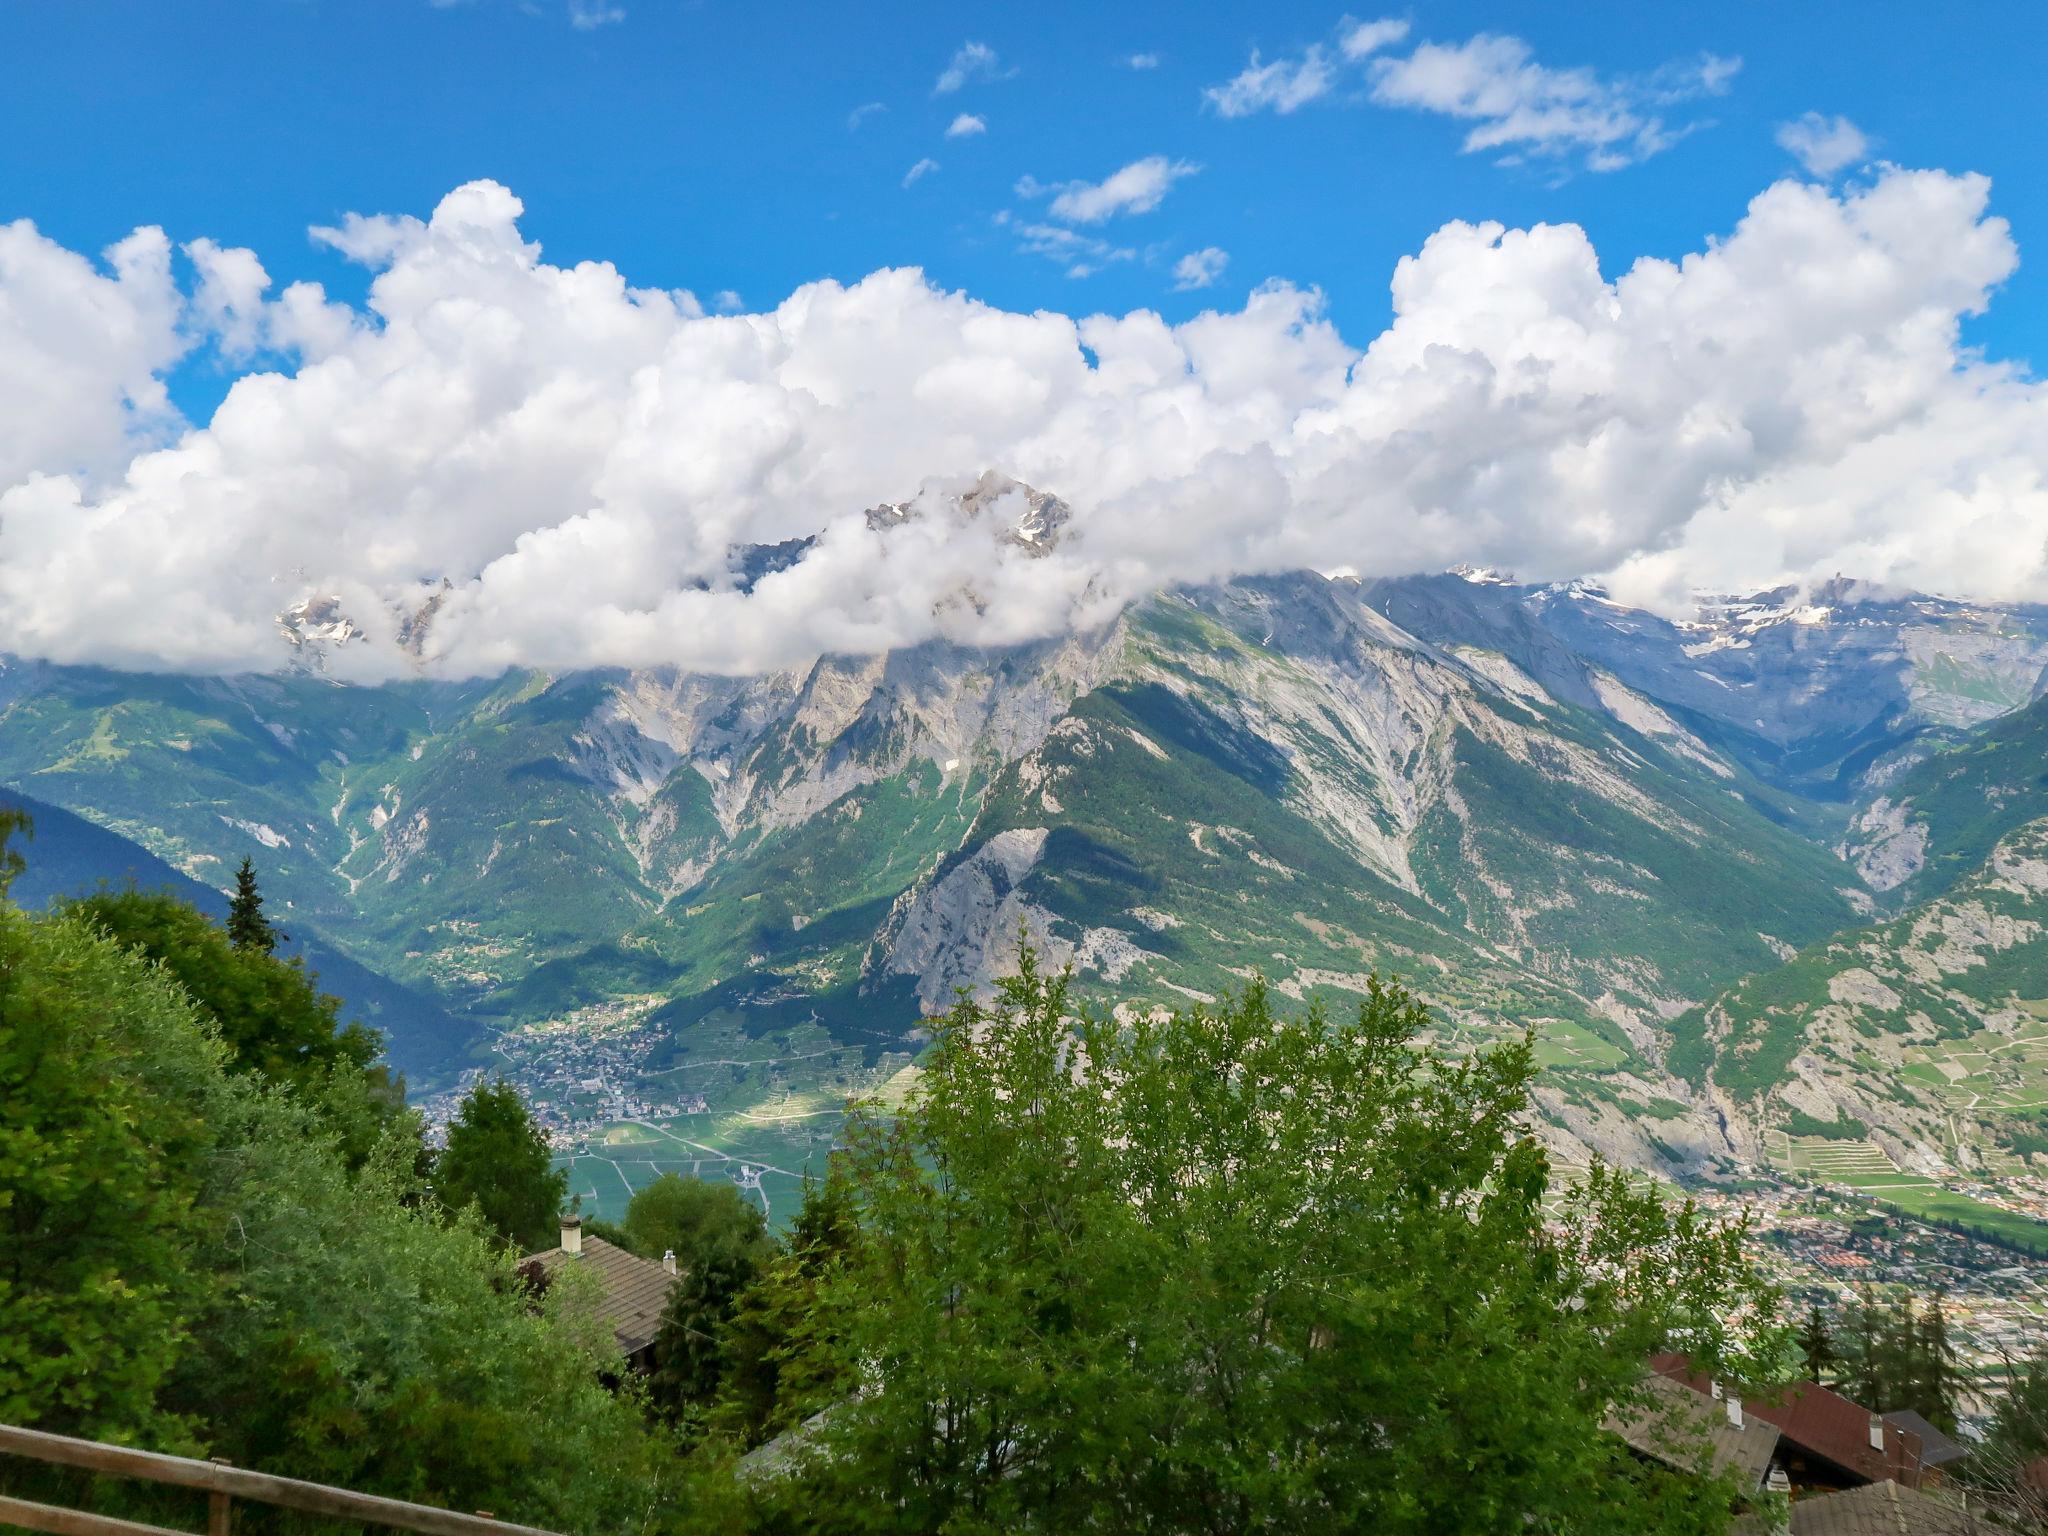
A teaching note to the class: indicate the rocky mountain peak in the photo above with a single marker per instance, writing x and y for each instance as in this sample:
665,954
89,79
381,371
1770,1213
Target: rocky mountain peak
1028,519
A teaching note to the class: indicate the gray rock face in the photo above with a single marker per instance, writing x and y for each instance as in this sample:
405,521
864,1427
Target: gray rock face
1810,691
963,927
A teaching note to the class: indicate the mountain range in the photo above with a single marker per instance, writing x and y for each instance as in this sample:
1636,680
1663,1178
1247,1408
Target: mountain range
1773,866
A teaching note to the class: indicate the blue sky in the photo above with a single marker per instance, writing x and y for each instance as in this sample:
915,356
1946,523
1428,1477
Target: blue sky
1747,313
707,145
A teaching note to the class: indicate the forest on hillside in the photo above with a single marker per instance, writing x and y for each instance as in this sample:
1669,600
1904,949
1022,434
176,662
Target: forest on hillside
1222,1269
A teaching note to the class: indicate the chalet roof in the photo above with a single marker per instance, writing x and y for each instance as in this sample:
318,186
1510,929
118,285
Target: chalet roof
1822,1423
1882,1509
1936,1448
1676,1422
635,1290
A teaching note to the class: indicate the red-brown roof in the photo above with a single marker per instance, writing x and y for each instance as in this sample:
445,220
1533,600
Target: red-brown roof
1822,1423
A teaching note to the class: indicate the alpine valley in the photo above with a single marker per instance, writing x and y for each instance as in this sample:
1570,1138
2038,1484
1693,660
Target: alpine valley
1770,884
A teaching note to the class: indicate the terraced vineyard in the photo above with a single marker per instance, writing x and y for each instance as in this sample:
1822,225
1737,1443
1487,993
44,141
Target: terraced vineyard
1863,1168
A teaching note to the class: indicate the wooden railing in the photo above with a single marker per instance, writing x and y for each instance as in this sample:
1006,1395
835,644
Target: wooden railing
222,1485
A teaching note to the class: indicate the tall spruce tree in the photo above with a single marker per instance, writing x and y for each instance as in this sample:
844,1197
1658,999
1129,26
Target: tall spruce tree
498,1160
248,928
1939,1365
13,822
1816,1346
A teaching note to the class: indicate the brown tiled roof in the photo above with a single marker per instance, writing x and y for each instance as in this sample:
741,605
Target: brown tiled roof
1882,1509
1677,1424
1822,1423
635,1289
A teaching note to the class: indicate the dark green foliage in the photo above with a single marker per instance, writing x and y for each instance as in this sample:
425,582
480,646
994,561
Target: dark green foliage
1224,1272
270,1013
1848,1128
248,928
14,822
688,1216
720,1242
1816,1345
104,1079
778,1365
191,1264
2016,1436
499,1161
1900,1356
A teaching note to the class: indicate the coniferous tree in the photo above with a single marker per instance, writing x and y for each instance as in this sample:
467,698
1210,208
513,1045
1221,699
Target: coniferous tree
13,821
1938,1354
499,1160
1862,1373
248,928
1816,1347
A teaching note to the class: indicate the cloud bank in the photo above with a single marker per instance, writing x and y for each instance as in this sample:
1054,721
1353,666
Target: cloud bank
555,467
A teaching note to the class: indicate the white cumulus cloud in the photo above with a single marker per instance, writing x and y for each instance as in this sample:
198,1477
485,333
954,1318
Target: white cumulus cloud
559,465
1824,145
919,171
1279,85
1198,269
1516,103
82,345
1137,188
971,61
965,126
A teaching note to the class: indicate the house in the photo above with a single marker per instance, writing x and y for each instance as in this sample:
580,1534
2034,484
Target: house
1885,1509
1825,1440
633,1292
1678,1428
1937,1451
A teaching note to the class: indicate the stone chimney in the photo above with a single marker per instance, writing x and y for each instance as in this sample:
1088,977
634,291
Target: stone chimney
1778,1515
572,1234
1876,1433
1734,1405
668,1262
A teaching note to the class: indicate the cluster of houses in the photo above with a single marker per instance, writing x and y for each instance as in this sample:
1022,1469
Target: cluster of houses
1809,1461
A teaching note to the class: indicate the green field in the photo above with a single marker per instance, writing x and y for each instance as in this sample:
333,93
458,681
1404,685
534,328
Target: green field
1865,1169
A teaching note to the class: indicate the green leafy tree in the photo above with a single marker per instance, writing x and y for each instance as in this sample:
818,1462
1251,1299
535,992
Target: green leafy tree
1939,1365
1901,1356
104,1134
270,1012
191,1263
684,1216
778,1364
1219,1271
720,1241
498,1160
248,928
1816,1345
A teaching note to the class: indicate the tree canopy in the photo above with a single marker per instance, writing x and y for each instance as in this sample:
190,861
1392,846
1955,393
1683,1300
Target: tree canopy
1224,1271
498,1160
192,1263
270,1012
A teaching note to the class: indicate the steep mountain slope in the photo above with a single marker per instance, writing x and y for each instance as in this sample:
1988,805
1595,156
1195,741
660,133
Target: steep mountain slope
1937,819
538,844
1929,1032
68,855
1808,691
